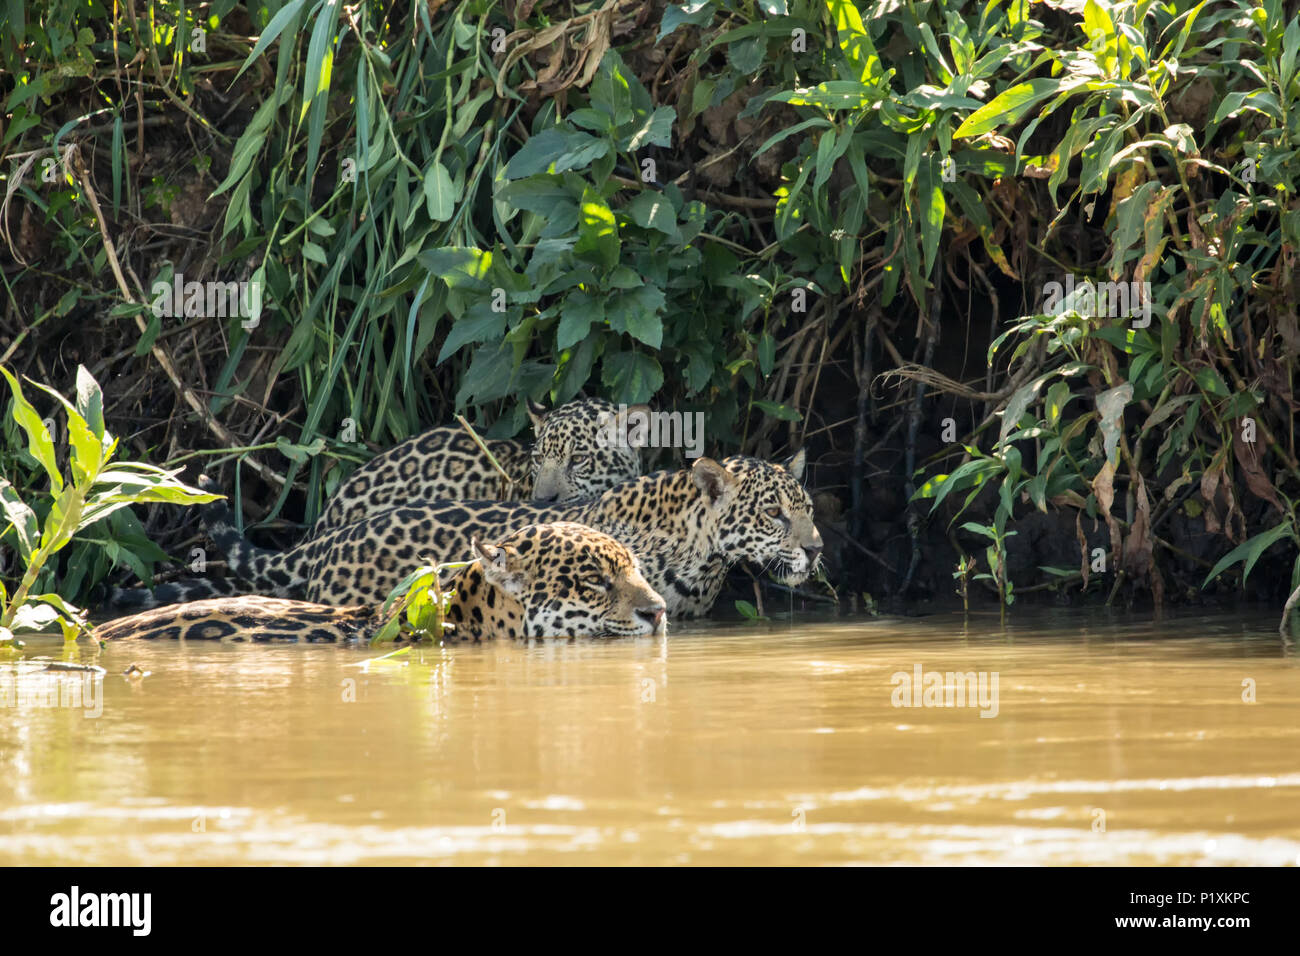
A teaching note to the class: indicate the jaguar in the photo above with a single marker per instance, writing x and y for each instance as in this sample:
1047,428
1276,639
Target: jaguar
687,527
245,618
582,448
549,580
553,580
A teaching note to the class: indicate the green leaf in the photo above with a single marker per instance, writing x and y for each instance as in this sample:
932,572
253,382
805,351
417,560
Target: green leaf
63,520
1017,406
972,474
457,265
637,312
40,444
549,199
1210,381
88,451
251,140
273,30
817,122
149,335
929,185
557,148
479,324
320,66
695,13
633,377
489,375
652,210
581,312
297,452
1250,551
657,130
1057,397
746,56
782,412
90,401
21,518
1007,107
597,230
766,353
612,90
439,194
33,617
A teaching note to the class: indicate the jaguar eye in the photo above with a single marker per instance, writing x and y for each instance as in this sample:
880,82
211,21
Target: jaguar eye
581,459
598,584
773,512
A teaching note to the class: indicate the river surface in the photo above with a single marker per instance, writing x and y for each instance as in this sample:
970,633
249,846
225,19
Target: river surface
1108,739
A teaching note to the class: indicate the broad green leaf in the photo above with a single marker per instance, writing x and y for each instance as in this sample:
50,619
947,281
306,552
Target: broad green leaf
597,230
1250,551
1007,107
657,130
90,401
929,185
40,443
1057,397
21,518
63,520
1210,380
34,618
555,150
694,13
479,324
637,312
652,210
581,311
439,194
632,377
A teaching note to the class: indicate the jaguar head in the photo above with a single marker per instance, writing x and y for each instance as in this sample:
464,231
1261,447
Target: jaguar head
572,581
582,449
770,520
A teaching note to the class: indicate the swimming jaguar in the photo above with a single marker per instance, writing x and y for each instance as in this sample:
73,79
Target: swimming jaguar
687,527
549,580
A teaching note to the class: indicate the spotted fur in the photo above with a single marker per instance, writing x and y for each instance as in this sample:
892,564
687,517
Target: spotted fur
687,528
551,580
245,618
573,457
554,580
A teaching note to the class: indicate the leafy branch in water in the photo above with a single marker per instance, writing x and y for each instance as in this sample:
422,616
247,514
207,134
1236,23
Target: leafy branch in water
94,488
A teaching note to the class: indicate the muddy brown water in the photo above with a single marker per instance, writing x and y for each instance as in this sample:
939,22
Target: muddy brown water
1110,739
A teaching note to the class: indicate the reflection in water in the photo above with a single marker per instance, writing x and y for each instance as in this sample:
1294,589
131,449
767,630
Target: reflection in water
1113,741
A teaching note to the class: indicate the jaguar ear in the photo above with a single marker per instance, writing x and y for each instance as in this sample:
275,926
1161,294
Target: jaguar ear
537,412
795,464
716,484
500,565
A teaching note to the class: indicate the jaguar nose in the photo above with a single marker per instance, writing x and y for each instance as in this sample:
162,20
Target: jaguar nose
546,485
813,555
653,614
